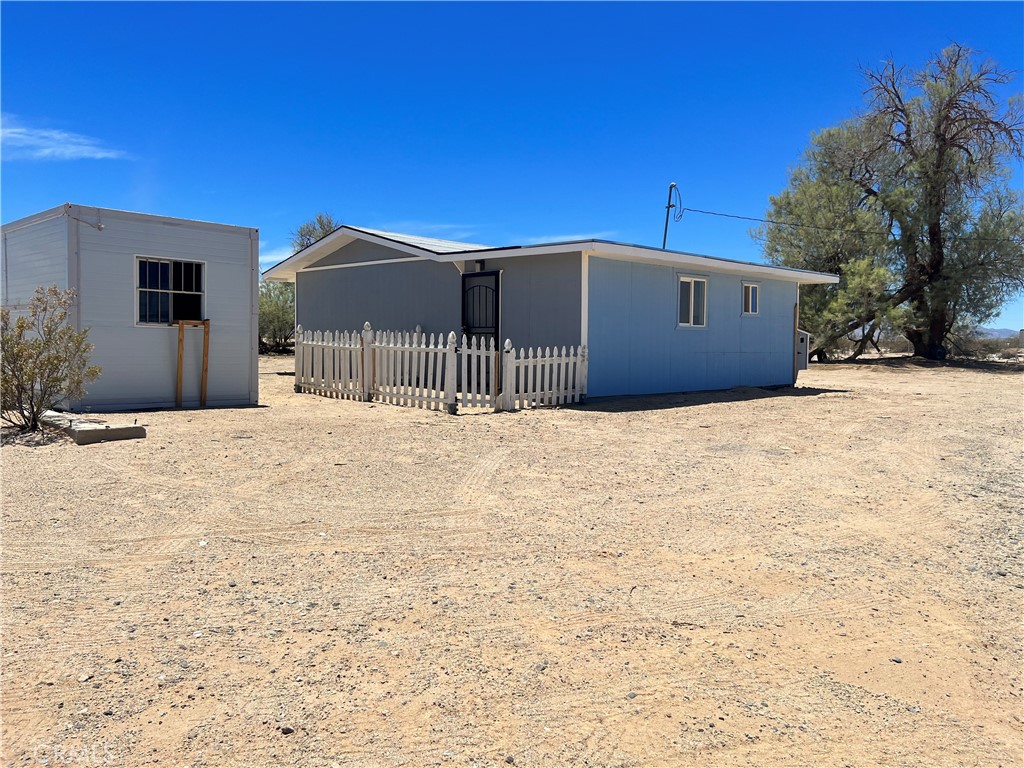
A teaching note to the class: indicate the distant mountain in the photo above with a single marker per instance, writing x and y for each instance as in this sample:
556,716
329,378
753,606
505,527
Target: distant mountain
996,333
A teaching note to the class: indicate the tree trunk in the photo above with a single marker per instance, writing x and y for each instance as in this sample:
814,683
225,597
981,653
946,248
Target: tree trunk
930,342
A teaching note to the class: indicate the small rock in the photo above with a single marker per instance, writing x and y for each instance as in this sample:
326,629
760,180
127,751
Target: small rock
84,678
896,660
108,712
287,729
1000,573
510,759
232,583
631,695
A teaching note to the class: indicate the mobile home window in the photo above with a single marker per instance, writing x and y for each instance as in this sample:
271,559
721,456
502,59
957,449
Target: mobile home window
693,294
169,291
751,299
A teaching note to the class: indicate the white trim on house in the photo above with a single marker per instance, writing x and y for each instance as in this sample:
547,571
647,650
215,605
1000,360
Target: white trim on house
683,277
755,298
144,257
365,263
584,297
344,235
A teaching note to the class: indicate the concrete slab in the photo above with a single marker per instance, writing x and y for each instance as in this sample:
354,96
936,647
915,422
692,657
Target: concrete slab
85,432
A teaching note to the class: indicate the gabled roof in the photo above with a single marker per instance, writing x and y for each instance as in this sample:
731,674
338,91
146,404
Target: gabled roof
431,249
432,244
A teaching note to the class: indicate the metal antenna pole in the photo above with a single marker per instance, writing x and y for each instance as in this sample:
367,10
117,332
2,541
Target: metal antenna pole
668,210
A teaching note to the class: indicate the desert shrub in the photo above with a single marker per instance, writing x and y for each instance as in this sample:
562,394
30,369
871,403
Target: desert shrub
277,315
44,360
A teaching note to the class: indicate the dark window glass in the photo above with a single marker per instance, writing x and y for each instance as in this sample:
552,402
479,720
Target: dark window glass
187,306
170,291
753,299
684,302
699,291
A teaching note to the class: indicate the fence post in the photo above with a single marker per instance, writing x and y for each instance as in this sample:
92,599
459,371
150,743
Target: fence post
298,357
451,375
366,372
507,399
582,373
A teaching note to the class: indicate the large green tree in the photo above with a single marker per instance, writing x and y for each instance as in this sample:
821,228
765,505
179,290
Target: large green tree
910,203
316,228
277,299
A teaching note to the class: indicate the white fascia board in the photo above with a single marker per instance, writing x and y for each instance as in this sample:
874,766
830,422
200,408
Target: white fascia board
35,218
175,221
713,264
285,270
653,256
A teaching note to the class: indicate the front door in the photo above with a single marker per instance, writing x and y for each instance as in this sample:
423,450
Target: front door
481,305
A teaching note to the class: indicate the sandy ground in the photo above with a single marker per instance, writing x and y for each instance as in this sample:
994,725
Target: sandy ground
826,575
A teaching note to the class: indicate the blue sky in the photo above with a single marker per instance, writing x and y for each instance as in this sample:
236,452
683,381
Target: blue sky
491,123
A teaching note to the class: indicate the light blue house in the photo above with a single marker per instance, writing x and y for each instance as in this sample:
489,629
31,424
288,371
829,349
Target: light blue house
654,321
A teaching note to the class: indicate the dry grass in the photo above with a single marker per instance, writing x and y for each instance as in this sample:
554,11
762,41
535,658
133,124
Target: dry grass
704,580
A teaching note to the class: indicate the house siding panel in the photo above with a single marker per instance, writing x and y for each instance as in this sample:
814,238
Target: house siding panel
359,251
388,296
34,255
540,299
636,346
140,362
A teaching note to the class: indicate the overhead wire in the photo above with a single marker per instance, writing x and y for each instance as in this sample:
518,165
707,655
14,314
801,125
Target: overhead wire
679,215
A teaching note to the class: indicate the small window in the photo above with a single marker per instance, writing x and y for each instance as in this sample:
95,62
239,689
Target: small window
693,292
750,298
169,291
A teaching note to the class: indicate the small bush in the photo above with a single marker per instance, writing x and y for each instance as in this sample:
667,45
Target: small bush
277,315
45,361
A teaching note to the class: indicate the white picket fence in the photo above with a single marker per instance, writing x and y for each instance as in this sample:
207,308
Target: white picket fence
409,369
543,377
413,370
330,364
479,367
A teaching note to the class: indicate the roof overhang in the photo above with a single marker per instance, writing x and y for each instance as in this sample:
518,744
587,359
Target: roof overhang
339,238
344,235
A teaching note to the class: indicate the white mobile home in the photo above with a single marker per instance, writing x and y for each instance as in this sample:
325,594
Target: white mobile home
135,275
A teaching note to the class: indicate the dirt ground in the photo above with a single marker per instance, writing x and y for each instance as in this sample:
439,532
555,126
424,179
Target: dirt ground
823,576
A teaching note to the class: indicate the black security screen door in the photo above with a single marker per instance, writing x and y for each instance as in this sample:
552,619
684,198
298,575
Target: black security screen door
481,304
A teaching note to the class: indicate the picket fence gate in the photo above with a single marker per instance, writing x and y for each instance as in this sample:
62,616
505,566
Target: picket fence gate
415,370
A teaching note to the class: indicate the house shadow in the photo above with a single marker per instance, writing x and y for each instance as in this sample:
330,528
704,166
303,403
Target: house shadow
909,363
632,403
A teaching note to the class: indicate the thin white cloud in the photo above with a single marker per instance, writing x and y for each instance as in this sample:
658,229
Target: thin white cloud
23,142
272,256
607,234
430,229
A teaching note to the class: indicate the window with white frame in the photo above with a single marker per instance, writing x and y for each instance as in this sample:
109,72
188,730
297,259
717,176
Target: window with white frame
693,299
169,291
751,298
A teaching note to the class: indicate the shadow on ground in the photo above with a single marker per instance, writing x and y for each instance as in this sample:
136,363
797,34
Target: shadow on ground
908,362
14,436
686,399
